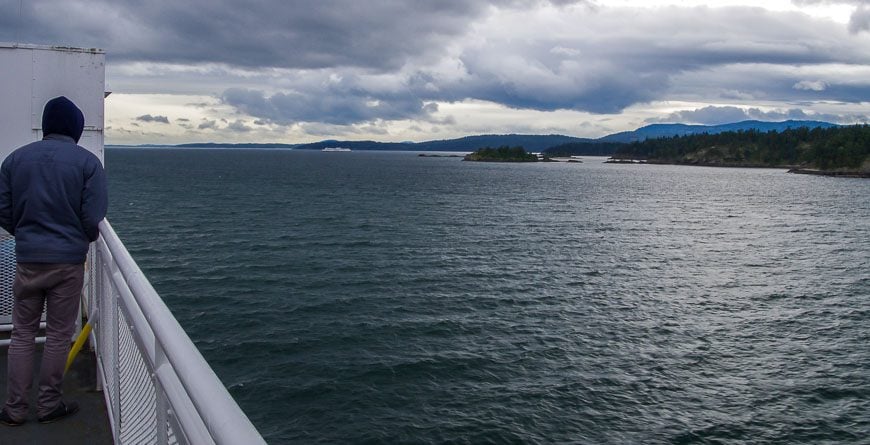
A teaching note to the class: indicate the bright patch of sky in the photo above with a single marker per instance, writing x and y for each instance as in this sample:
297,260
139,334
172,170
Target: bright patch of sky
838,11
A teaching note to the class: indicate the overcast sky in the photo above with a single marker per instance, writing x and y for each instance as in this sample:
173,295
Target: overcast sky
391,70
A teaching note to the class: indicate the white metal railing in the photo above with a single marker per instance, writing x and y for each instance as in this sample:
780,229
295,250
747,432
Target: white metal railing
158,387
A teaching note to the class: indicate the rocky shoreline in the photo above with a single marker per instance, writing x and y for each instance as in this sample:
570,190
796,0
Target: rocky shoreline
790,168
835,173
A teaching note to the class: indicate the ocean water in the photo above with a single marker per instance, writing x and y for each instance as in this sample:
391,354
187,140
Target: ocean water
377,297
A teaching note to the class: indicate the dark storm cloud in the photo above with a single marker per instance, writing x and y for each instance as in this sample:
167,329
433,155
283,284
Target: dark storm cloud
584,56
278,33
150,118
610,63
603,63
603,66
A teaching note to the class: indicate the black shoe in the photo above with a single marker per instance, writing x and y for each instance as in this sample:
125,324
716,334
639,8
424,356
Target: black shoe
62,410
8,421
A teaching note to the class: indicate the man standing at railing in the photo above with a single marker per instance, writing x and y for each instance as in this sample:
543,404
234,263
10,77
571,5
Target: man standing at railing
52,199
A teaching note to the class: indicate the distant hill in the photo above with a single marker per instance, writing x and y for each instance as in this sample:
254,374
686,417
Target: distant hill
668,130
245,145
553,144
841,150
356,145
530,142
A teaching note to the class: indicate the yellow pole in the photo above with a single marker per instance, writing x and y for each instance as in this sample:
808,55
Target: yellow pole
77,346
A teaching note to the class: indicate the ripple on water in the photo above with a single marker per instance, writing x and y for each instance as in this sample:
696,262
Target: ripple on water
386,298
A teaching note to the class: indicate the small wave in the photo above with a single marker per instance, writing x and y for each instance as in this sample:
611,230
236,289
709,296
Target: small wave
340,311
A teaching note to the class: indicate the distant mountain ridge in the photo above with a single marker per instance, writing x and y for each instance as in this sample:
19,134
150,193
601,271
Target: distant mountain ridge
603,146
530,142
242,145
670,130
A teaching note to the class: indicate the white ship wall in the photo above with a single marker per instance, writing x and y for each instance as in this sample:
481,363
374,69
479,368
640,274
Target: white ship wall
31,75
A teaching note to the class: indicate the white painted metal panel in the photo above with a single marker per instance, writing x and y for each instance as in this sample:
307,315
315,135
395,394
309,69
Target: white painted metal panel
32,75
15,99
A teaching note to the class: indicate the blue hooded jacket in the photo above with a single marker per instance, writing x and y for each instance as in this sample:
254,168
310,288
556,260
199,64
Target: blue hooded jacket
53,192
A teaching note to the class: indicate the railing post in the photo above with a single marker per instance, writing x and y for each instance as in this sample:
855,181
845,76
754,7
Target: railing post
116,360
97,294
162,404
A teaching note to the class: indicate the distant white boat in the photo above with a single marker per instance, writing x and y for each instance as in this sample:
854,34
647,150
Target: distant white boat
335,149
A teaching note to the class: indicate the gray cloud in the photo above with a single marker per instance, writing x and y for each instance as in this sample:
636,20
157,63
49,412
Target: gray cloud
713,115
608,64
707,116
748,83
150,118
208,125
346,62
285,33
831,2
860,20
375,129
594,69
239,126
329,106
811,85
382,35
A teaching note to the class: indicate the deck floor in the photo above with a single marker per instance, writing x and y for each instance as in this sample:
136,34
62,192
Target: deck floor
88,426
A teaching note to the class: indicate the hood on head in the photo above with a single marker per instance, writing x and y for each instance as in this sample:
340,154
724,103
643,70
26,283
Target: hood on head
62,116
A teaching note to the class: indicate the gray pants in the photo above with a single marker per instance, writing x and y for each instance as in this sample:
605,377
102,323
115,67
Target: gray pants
59,287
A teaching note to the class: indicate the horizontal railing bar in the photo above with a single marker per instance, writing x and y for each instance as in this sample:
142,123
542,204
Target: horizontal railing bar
8,327
6,342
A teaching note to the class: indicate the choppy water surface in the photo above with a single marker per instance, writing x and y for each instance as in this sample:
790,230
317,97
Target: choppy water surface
386,298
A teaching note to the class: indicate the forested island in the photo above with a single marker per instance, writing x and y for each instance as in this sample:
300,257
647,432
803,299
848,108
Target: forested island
838,151
501,154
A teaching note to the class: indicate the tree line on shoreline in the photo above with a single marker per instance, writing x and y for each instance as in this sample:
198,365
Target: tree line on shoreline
830,149
502,154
